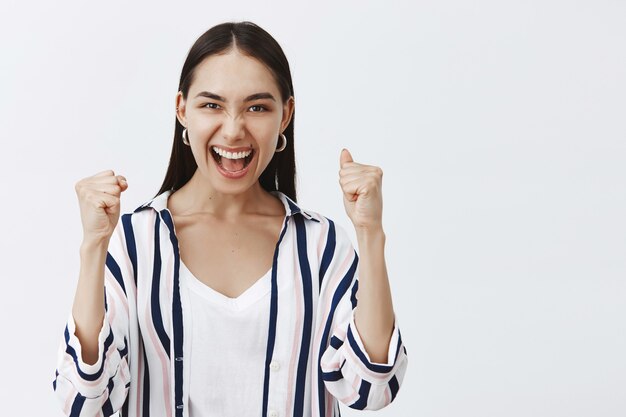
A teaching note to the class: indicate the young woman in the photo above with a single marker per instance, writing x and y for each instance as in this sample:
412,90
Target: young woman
221,296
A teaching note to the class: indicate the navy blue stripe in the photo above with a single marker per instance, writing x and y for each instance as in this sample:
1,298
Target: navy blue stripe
372,367
332,376
155,301
70,350
177,318
124,412
145,412
364,392
329,249
342,288
393,387
77,405
293,207
54,383
115,271
124,350
307,286
107,407
129,236
272,322
336,342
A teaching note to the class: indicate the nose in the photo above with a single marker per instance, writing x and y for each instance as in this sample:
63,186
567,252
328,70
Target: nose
233,128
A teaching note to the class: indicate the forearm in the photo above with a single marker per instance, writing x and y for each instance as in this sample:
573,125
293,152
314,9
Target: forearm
374,316
88,307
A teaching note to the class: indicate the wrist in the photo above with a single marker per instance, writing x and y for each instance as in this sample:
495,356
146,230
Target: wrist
91,245
370,233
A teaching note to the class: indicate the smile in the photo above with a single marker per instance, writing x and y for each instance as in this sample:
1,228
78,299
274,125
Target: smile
232,161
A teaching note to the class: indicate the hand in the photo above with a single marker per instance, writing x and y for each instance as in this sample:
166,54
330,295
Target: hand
99,201
362,192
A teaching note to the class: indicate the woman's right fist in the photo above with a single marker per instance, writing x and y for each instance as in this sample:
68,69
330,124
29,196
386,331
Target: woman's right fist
99,201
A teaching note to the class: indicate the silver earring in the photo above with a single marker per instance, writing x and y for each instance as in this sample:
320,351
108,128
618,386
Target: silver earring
185,140
284,145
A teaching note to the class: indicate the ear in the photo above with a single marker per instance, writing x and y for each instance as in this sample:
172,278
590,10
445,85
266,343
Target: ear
181,109
288,109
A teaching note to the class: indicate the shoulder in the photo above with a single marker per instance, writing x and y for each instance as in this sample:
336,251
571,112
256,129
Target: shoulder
327,228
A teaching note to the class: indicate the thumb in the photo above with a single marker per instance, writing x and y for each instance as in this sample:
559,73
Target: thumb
345,157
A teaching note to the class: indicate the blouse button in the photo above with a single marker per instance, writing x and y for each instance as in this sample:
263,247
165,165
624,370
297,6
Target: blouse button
274,366
273,413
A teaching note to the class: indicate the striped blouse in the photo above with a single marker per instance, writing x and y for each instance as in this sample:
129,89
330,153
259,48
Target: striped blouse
143,368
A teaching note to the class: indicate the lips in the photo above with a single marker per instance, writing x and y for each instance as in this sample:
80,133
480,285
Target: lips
232,161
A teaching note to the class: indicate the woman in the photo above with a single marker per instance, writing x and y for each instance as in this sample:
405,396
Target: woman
220,296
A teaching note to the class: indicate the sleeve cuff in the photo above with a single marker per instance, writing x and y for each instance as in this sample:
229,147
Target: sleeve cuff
73,348
357,346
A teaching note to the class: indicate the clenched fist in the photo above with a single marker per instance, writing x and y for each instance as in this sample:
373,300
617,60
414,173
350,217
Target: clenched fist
362,192
99,201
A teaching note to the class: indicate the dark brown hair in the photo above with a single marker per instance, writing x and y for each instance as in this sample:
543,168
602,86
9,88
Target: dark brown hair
254,41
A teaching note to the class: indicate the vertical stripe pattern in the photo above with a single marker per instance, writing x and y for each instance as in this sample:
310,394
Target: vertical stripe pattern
314,291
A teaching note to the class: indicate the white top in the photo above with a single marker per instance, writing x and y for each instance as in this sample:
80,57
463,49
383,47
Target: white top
228,342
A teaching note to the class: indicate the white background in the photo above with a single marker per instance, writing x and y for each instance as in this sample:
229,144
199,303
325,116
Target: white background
500,128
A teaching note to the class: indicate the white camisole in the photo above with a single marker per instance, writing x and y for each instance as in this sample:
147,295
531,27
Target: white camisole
228,347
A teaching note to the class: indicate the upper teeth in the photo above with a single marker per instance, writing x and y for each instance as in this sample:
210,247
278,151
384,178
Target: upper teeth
231,155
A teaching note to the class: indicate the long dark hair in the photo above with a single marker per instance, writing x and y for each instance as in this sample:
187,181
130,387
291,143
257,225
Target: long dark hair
254,41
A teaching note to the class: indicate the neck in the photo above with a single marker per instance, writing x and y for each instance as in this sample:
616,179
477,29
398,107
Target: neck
198,196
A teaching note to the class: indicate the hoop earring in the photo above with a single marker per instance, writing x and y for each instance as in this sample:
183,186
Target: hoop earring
284,145
185,140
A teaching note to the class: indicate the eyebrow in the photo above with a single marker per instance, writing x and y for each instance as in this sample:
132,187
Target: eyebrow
256,96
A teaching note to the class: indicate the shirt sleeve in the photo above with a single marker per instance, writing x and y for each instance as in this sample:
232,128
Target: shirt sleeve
347,370
100,388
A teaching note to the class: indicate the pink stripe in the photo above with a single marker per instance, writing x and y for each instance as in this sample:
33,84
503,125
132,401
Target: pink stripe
142,352
115,286
340,333
350,398
387,396
356,381
323,238
331,283
329,405
169,278
68,402
112,311
297,334
333,365
170,275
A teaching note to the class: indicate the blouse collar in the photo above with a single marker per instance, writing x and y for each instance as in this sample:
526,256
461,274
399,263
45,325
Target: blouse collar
159,203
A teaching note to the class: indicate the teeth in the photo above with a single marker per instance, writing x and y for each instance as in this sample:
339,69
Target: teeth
231,155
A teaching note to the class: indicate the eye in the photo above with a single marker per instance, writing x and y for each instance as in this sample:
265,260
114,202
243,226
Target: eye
258,107
211,104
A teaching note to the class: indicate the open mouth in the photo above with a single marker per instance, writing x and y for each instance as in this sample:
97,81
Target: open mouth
232,161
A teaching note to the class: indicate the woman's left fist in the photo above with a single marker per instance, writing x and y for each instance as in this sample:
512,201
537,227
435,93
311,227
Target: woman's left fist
362,192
